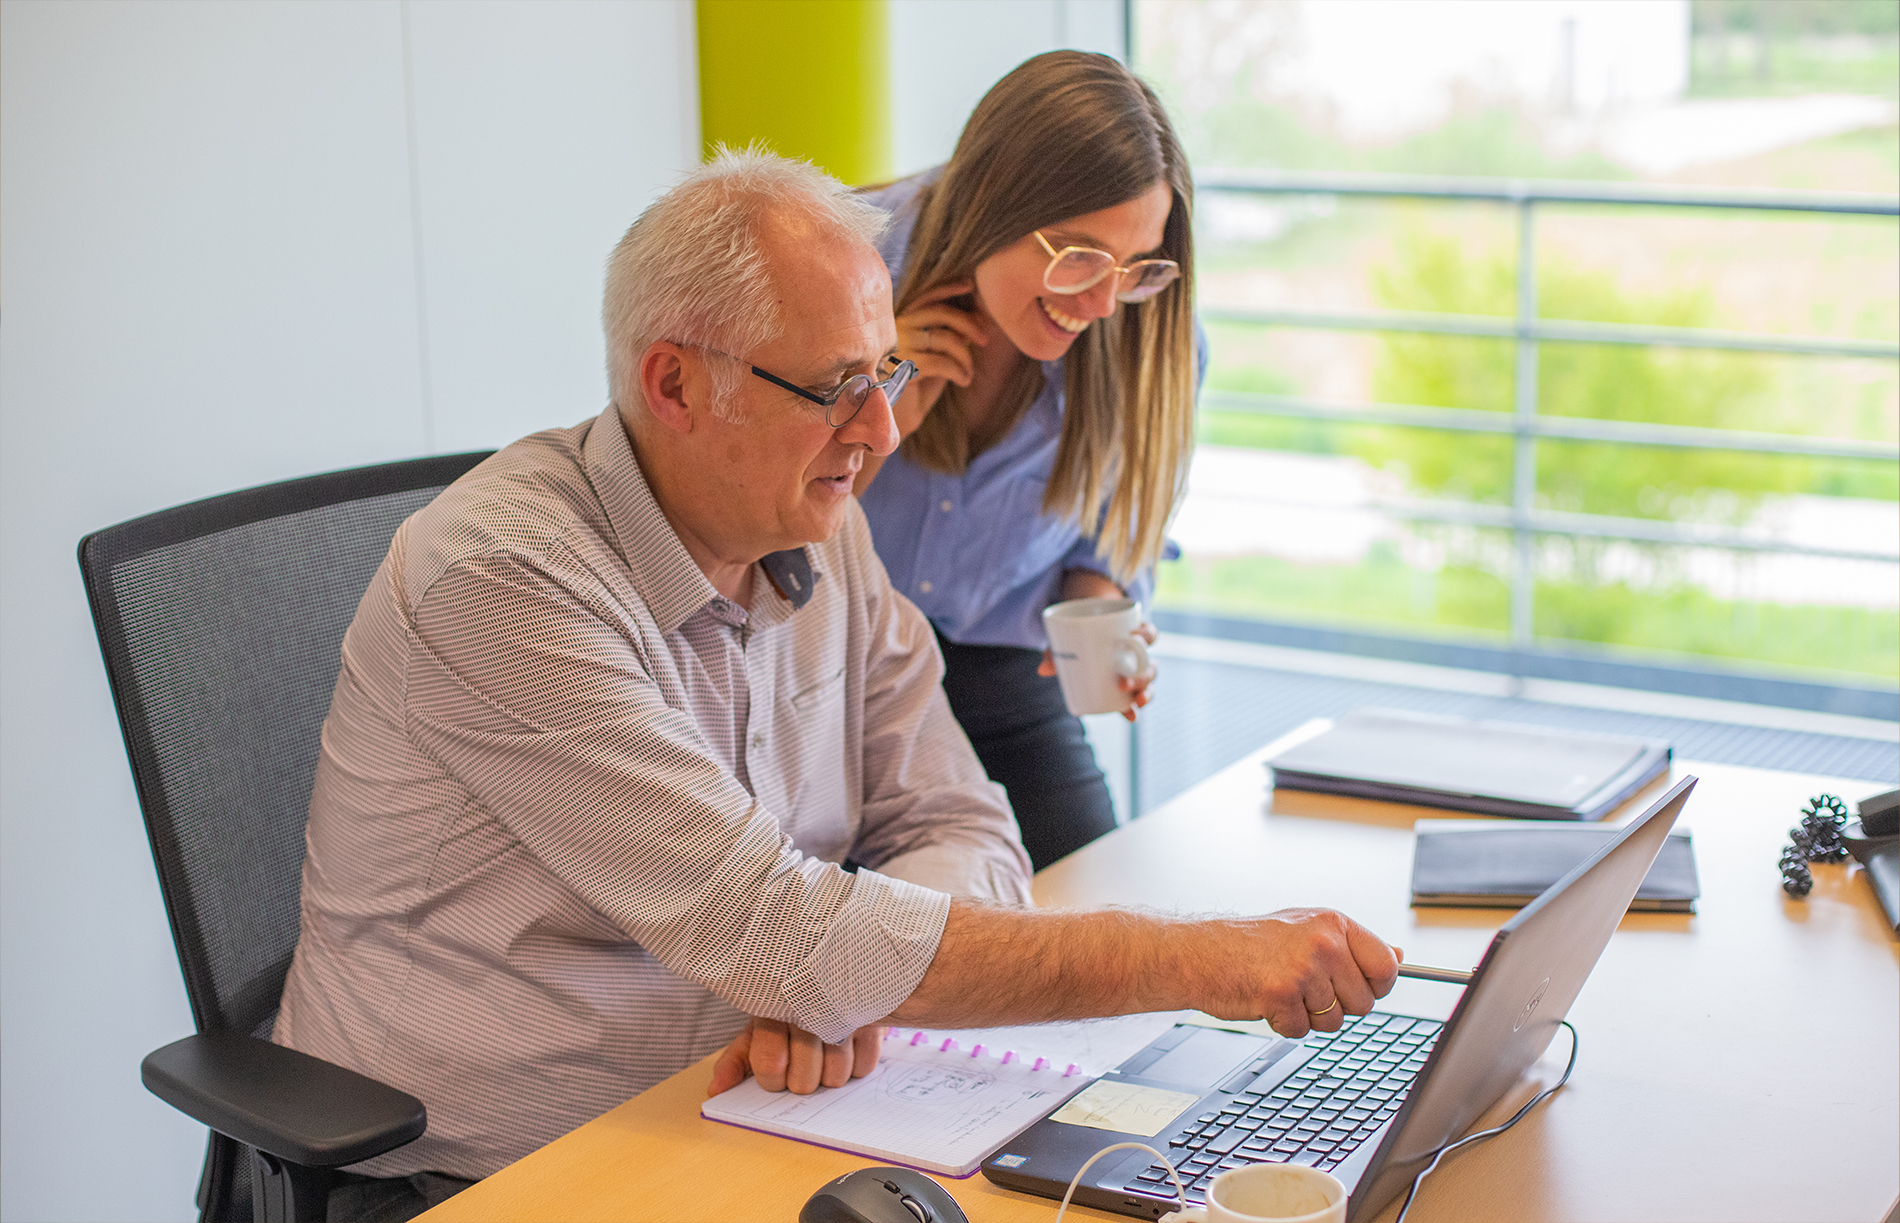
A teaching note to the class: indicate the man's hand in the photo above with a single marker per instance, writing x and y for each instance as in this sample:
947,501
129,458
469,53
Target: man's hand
781,1056
1300,969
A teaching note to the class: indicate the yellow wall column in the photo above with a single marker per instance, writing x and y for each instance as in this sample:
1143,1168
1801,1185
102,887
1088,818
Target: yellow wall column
809,78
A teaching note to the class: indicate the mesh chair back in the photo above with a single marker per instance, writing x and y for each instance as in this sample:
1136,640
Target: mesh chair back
221,623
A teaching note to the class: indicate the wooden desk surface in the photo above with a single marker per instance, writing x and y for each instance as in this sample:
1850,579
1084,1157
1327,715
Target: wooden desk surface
1742,1063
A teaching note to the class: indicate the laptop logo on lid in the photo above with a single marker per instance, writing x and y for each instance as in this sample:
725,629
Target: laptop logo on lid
1537,996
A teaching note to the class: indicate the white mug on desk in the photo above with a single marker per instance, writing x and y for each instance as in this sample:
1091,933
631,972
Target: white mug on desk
1096,647
1269,1193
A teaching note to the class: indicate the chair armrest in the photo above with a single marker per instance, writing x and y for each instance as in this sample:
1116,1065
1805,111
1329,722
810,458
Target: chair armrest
292,1105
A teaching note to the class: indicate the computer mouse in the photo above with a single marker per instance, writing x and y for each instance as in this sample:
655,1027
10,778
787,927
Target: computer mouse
882,1195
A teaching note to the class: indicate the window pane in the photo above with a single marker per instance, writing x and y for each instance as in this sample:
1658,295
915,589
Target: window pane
1805,612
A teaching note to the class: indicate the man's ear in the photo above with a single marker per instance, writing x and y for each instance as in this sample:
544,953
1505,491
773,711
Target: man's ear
674,386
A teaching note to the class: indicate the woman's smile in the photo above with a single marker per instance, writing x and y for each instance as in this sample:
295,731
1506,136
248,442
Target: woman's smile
1067,323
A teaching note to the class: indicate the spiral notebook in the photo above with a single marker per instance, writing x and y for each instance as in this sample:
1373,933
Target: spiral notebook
942,1101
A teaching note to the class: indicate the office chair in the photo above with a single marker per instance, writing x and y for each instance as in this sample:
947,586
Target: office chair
222,625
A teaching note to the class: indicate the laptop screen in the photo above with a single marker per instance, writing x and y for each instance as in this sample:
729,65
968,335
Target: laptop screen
1532,972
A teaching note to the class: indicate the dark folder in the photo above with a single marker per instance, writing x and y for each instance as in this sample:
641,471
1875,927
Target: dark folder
1485,864
1882,865
1491,768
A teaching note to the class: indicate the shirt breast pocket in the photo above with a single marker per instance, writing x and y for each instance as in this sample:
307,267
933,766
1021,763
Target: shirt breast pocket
817,807
817,692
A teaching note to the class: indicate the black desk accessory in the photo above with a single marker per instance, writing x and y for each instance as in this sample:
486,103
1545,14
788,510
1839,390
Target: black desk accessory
1488,768
1817,838
1825,834
1880,814
1881,863
1874,841
882,1195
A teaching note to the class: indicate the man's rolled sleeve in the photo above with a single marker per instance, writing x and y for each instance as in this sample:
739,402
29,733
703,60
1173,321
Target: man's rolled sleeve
871,958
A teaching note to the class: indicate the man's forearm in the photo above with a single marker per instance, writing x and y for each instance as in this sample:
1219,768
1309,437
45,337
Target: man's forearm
1002,966
997,965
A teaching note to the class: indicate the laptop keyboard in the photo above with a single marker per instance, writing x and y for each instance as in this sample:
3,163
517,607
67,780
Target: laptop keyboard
1320,1115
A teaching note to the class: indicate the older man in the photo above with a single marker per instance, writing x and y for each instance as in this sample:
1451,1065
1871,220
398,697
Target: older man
626,704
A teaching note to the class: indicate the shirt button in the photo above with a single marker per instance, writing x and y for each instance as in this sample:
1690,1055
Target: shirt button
924,586
947,506
758,739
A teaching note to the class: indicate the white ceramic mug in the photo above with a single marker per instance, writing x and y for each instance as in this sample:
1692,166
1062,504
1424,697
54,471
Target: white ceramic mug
1269,1193
1095,648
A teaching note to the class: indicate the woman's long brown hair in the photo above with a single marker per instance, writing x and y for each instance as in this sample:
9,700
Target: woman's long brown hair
1065,134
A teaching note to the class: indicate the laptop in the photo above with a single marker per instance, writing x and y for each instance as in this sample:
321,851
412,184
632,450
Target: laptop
1371,1103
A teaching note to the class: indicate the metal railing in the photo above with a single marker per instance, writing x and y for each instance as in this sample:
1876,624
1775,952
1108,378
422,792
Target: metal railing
1522,517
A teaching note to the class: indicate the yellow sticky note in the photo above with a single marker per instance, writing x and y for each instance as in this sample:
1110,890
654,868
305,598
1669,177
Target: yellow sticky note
1125,1108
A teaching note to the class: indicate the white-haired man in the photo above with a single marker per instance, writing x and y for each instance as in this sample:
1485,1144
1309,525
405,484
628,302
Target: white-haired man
622,702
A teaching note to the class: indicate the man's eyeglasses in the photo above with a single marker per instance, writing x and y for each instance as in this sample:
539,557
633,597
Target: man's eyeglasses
842,404
1077,269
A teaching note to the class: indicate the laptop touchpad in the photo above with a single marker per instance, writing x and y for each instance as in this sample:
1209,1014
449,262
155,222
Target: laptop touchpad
1205,1059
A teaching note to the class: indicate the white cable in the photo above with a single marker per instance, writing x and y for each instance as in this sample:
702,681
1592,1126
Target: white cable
1180,1190
1449,1147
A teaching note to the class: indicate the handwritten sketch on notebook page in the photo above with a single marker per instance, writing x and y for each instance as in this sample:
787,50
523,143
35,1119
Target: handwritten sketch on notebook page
942,1100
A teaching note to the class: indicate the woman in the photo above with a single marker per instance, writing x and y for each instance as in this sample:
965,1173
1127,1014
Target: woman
1044,289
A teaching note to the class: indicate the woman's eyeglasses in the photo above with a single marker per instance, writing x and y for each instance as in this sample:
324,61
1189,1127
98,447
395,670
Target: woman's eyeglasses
843,403
1077,269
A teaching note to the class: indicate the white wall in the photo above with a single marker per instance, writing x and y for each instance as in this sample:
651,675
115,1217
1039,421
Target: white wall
945,55
243,242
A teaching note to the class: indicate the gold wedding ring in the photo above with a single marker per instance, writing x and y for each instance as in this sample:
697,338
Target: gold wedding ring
1329,1007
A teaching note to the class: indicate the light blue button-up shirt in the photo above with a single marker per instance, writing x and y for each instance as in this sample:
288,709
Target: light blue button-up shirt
975,551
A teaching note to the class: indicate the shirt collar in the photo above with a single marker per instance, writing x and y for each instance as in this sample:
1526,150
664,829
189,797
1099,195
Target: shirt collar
664,574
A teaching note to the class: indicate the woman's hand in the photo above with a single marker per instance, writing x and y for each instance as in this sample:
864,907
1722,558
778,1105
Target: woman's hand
1135,685
941,340
1088,584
